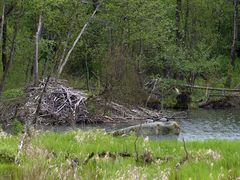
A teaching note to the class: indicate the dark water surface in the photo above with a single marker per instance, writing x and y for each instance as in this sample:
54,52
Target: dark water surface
211,124
200,125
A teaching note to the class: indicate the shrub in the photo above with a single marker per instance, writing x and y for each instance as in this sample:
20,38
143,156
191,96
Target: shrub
17,127
6,157
13,93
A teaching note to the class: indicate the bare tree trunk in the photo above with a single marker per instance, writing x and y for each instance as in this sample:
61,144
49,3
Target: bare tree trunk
186,22
234,45
6,10
9,63
28,71
235,33
38,33
138,67
2,23
4,47
178,21
62,65
38,108
3,38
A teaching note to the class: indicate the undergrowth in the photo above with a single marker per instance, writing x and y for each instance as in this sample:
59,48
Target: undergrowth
12,93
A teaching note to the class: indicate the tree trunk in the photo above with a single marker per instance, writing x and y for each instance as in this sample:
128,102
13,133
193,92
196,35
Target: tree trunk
6,10
95,4
3,38
3,21
11,58
4,47
234,45
38,33
235,33
186,22
62,65
178,21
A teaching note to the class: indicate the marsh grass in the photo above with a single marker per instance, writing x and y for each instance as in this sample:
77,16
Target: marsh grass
62,155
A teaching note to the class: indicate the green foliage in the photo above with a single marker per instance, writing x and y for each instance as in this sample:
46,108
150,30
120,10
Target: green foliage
127,42
13,93
6,157
17,127
91,107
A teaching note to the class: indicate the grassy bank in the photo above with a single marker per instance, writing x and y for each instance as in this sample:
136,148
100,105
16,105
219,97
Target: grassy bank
96,155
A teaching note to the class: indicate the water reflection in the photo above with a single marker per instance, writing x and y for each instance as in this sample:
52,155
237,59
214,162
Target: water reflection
200,125
211,124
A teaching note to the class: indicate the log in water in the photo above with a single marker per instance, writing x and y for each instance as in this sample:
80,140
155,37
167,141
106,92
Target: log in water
151,129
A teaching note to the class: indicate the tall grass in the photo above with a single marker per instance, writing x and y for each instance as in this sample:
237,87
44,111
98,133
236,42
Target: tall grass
63,155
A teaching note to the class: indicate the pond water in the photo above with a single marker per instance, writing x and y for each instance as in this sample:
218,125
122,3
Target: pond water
200,125
211,124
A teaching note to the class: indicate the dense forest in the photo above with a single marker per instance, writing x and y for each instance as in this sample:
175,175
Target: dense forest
119,89
119,46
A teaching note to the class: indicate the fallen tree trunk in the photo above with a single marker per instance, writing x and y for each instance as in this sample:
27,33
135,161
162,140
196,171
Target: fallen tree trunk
226,102
212,88
151,129
224,95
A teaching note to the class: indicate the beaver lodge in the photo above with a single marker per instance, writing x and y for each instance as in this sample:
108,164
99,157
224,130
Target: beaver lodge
52,102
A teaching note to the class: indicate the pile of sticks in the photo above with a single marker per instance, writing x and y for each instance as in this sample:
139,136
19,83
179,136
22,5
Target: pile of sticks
122,113
59,105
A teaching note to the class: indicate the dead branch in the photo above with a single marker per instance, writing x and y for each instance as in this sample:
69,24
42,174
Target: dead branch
22,143
185,158
153,89
40,101
105,154
90,156
212,88
135,143
27,124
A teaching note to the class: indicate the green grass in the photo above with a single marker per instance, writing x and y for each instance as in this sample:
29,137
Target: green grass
13,93
50,156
